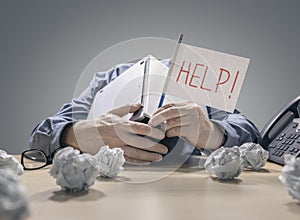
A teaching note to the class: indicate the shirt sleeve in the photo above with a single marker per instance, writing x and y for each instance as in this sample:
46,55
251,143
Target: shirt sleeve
237,128
46,135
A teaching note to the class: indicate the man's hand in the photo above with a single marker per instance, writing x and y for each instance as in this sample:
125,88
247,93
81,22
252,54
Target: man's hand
187,120
113,130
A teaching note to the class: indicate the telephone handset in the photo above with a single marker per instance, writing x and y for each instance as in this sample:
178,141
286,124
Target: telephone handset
281,135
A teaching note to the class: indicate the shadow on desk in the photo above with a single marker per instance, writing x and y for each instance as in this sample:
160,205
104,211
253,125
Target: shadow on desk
262,170
63,196
234,181
294,207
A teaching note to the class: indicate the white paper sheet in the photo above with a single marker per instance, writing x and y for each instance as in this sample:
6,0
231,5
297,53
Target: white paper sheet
207,77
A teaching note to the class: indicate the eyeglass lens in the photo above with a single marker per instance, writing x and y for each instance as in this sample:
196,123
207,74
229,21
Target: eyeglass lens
34,159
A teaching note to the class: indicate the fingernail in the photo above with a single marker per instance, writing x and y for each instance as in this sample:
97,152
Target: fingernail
164,150
158,158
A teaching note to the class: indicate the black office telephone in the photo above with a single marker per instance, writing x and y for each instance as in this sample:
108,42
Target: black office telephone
281,135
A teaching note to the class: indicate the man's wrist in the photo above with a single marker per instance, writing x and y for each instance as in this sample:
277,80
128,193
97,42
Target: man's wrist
68,137
216,137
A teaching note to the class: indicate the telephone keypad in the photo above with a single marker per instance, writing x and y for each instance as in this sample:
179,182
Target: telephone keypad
287,142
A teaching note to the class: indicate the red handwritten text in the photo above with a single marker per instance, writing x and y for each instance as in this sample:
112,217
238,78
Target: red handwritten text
196,76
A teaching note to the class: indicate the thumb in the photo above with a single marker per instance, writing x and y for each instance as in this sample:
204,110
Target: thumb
125,109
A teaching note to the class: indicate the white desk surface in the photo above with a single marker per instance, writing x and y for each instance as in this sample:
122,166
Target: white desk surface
185,194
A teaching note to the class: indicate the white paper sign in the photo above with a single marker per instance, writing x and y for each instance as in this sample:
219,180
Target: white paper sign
207,77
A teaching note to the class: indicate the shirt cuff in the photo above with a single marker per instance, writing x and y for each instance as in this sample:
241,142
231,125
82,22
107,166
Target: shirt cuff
231,136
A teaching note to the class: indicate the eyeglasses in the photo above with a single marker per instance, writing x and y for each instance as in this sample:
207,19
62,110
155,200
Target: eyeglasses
35,159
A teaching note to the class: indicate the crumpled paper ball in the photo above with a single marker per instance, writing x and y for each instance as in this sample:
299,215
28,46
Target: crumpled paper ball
225,163
77,172
253,155
13,198
109,162
290,176
9,162
72,170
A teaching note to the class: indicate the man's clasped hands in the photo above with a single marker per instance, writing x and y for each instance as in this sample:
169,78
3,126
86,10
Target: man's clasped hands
140,141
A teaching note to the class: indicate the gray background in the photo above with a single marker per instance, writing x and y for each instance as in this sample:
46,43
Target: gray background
45,46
